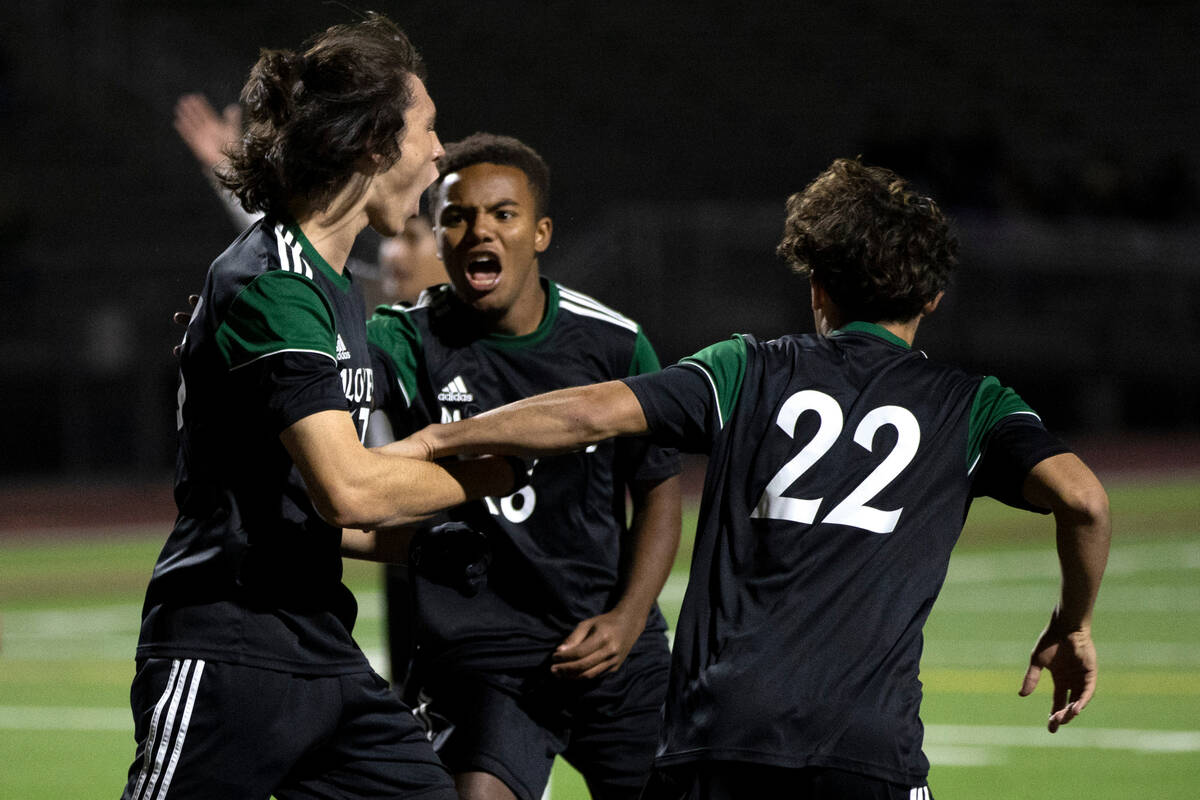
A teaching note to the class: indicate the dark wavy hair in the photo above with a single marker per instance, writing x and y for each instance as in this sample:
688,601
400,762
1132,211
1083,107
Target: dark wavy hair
314,116
488,148
881,250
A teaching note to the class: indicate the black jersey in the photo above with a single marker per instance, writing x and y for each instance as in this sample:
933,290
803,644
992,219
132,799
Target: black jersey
557,542
251,574
841,470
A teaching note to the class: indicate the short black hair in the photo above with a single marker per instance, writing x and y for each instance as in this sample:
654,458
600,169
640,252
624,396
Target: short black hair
489,148
313,116
881,250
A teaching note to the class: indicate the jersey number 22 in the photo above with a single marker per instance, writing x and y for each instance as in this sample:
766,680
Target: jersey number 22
853,510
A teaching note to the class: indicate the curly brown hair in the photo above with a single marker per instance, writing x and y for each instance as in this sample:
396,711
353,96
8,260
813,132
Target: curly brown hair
880,250
313,116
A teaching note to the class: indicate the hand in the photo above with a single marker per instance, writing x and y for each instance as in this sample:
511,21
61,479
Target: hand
183,318
207,134
1071,659
597,645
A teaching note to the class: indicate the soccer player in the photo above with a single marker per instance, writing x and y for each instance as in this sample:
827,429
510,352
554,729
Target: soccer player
564,650
841,467
248,681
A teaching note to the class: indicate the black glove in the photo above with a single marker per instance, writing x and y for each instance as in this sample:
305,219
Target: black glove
453,554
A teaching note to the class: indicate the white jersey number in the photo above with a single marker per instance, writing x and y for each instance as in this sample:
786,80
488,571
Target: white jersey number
853,510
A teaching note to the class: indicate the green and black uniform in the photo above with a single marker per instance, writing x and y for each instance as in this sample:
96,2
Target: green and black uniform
246,617
556,545
840,473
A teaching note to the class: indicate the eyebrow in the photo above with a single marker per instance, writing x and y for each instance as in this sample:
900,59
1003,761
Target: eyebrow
496,206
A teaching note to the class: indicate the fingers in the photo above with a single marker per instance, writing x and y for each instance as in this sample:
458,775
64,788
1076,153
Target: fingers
1031,680
586,653
592,665
566,650
1079,700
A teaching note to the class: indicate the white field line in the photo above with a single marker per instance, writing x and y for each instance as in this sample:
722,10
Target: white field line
79,718
976,582
1024,565
1073,735
943,652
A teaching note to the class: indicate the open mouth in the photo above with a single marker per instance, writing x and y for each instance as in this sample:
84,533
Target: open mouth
483,272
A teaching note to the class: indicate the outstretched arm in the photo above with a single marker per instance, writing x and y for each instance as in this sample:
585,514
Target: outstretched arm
545,424
1068,488
353,487
600,644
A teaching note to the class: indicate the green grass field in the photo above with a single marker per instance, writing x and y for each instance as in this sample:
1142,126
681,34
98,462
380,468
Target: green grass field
70,615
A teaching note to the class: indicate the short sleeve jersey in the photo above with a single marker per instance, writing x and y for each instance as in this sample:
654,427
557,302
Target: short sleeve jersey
840,474
251,574
557,542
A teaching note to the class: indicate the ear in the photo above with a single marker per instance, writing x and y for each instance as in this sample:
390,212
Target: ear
541,234
820,298
932,305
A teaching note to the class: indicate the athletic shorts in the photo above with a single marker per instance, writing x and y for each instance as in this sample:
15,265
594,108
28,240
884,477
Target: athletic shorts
736,780
512,725
209,729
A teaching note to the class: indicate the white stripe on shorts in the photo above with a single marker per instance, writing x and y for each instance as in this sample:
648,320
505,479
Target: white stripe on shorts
154,778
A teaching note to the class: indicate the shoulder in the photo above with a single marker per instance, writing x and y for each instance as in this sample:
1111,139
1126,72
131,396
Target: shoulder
588,310
267,257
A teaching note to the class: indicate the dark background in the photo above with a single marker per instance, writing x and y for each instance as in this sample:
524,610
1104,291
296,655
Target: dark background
1061,137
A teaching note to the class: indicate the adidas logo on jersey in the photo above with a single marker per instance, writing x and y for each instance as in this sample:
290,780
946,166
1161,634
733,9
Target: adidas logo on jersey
455,392
342,352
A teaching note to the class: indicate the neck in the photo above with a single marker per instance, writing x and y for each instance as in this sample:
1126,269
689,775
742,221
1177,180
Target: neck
525,315
905,330
332,230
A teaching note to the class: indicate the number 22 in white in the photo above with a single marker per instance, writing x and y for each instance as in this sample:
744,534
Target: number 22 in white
853,510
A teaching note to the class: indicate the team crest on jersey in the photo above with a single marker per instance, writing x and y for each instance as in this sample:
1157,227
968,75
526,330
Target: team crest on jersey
456,394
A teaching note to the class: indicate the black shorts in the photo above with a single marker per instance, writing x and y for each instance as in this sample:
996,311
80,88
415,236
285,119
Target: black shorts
512,725
208,729
737,780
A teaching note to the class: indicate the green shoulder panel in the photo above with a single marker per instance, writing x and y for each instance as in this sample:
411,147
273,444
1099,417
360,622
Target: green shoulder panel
393,331
278,312
644,358
725,365
993,402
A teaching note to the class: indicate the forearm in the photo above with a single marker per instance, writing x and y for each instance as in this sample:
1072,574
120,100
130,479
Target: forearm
1083,533
353,487
655,538
545,424
401,491
1083,554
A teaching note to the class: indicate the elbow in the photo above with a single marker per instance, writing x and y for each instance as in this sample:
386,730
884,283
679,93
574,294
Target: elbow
343,506
1086,504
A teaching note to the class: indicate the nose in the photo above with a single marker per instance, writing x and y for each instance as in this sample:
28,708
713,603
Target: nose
438,150
480,227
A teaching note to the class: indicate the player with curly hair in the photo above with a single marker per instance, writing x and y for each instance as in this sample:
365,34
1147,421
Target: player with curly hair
841,468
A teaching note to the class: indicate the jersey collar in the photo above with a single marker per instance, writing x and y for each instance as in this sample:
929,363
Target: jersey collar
340,280
874,330
541,331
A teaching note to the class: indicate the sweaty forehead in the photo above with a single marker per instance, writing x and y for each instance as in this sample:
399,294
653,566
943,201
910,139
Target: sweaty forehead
486,184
